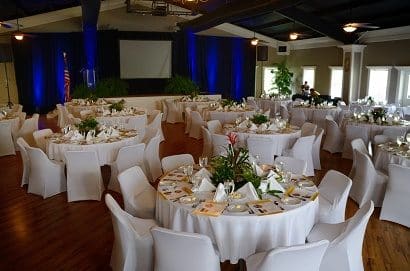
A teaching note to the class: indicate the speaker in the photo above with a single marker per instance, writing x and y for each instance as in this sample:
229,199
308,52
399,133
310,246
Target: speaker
262,53
5,53
283,50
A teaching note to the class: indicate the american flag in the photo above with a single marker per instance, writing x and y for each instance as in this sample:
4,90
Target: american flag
67,82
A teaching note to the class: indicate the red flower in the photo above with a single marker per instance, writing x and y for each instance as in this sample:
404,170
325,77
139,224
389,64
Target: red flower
232,138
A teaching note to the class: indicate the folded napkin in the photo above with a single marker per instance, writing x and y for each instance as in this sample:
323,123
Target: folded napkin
102,134
220,194
263,186
77,136
258,169
203,173
90,135
272,127
273,184
253,127
249,191
263,126
243,124
206,185
69,134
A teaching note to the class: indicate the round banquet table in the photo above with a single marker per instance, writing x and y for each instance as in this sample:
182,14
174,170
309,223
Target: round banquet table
75,109
117,120
226,116
281,140
106,152
317,115
386,155
14,123
268,104
195,105
238,236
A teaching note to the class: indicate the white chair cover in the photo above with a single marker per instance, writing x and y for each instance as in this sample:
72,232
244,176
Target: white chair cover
6,142
334,137
396,199
207,141
151,159
352,133
138,193
156,125
22,144
219,144
84,180
40,138
85,113
305,257
262,146
357,144
316,148
27,129
60,116
302,149
196,123
175,161
133,243
290,164
284,113
173,114
368,183
46,177
128,156
298,117
214,126
346,240
308,129
164,110
152,114
182,251
334,190
72,120
137,123
188,119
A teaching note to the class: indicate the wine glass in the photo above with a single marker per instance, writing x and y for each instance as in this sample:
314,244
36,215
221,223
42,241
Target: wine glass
400,140
229,187
203,161
279,167
188,170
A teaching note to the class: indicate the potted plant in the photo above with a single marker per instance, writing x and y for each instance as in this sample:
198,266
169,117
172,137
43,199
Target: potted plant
181,85
283,79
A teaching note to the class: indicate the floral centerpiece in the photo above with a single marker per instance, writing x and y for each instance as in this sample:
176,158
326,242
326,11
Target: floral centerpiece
228,102
259,119
234,165
87,125
118,106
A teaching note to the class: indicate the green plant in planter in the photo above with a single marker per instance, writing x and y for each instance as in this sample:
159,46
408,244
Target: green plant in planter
259,119
118,106
109,87
227,102
283,79
181,85
87,125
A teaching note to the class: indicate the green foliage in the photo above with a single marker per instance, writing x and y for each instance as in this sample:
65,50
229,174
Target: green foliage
87,125
181,85
259,119
118,106
283,79
378,112
227,102
110,87
317,100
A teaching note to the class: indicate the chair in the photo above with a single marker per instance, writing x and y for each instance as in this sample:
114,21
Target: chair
40,138
298,117
207,142
22,144
251,103
152,114
84,180
214,126
173,114
139,195
333,193
368,183
188,119
316,148
305,257
182,251
175,161
6,142
353,132
219,144
334,137
308,129
396,199
302,149
196,123
346,240
357,144
46,177
60,116
85,113
284,113
151,159
164,110
133,243
296,166
262,146
27,129
150,133
128,156
156,124
73,120
137,123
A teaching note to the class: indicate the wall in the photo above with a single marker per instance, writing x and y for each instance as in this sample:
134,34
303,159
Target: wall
322,58
12,83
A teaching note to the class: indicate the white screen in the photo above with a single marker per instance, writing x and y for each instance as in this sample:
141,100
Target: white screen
145,59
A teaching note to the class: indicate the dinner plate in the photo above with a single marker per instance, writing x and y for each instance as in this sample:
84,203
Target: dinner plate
188,200
306,184
290,201
167,183
237,208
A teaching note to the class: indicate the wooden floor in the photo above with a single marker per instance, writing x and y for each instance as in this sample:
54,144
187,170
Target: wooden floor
51,234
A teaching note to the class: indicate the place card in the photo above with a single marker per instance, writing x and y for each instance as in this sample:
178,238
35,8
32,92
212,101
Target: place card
175,193
264,207
210,208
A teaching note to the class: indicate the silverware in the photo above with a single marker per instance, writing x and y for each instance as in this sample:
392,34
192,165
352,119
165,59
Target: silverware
277,204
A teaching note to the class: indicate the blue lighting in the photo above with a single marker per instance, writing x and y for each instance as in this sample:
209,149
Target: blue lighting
60,75
192,61
237,63
90,49
38,80
212,64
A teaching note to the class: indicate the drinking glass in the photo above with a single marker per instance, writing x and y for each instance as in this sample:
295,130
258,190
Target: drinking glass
257,159
189,171
229,187
203,161
279,167
400,140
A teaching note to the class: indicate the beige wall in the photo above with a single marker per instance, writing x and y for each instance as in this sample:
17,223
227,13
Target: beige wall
12,83
322,58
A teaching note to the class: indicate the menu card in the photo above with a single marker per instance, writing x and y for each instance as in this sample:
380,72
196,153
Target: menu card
210,208
175,193
264,207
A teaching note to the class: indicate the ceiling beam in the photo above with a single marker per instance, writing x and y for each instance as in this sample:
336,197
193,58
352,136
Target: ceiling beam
333,31
346,6
270,24
232,12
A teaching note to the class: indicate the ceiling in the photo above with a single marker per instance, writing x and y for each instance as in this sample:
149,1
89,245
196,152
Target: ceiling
272,18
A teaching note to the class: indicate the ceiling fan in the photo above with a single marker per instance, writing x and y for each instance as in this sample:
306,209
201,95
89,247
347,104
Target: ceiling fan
8,25
353,26
18,35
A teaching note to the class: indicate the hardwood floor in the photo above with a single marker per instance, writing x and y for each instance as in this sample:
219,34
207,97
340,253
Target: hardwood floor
52,234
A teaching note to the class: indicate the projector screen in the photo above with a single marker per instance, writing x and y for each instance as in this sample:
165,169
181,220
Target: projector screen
145,59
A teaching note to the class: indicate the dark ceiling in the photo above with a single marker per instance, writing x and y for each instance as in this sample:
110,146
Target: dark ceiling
273,18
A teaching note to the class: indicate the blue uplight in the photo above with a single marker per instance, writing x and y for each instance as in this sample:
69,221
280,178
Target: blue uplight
90,49
237,67
38,80
192,61
212,64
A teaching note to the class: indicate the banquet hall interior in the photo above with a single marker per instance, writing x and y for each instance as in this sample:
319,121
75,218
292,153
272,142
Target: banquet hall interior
176,135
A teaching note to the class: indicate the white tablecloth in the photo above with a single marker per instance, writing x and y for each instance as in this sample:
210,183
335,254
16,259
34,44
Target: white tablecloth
239,236
195,105
117,120
106,152
226,116
318,115
383,158
268,104
75,109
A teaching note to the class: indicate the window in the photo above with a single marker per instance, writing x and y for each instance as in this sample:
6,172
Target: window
336,81
309,75
403,93
269,87
378,82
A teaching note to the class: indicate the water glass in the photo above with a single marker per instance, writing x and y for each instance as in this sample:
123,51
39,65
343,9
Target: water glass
203,161
229,187
400,140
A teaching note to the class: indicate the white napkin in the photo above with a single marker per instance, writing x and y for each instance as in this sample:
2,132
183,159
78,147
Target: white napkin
206,185
203,172
253,127
89,136
220,194
263,186
106,113
102,135
243,124
263,126
114,132
272,127
274,185
69,134
249,190
258,169
77,136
